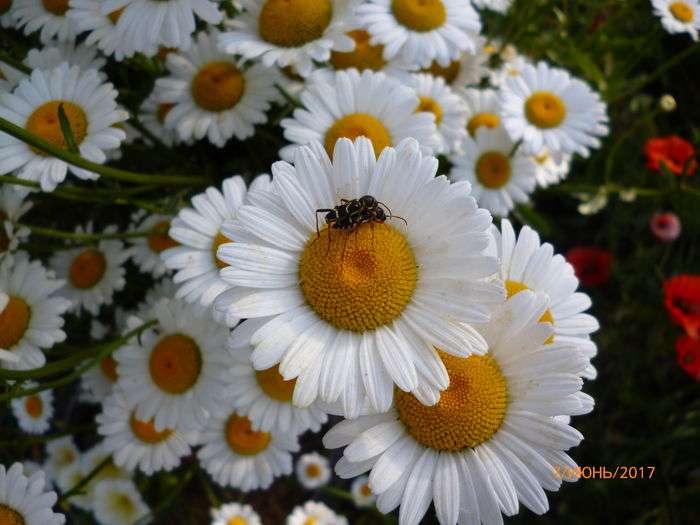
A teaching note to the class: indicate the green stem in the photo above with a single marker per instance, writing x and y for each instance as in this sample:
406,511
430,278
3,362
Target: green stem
25,440
289,98
174,493
86,237
106,171
616,188
76,490
10,61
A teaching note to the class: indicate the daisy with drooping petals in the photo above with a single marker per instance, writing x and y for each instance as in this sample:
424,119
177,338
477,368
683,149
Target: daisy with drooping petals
103,32
500,6
679,16
152,115
289,32
236,455
483,109
31,317
316,513
263,395
547,107
12,207
529,264
23,500
420,31
214,94
61,453
198,230
355,311
361,493
489,443
33,412
499,180
551,168
47,15
90,108
313,470
92,274
135,443
150,24
235,514
352,104
51,56
145,251
118,502
449,110
175,374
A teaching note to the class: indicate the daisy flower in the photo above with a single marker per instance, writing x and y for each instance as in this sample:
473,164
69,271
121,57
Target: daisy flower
33,412
512,65
352,104
90,108
313,470
529,264
118,502
361,493
83,56
92,274
49,16
148,24
163,289
6,20
12,207
145,251
499,180
235,514
547,107
500,6
70,477
420,31
679,16
353,312
135,443
23,500
9,76
449,110
289,32
103,31
489,443
198,230
236,455
60,454
98,382
263,395
314,512
110,471
469,68
483,109
214,94
31,318
175,374
551,168
152,115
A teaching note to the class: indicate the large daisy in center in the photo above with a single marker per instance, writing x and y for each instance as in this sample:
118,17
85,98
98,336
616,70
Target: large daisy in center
356,310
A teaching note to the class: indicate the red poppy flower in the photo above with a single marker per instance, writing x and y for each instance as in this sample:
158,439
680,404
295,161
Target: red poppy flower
666,227
688,355
676,153
682,298
591,264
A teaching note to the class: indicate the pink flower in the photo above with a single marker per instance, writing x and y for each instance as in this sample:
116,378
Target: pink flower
666,227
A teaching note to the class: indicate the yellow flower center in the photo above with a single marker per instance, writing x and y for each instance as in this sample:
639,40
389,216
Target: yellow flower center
65,457
514,287
682,12
488,120
146,431
311,520
57,7
14,321
108,366
175,364
87,269
419,15
541,159
237,520
313,470
358,280
10,516
493,169
364,56
293,23
274,385
358,125
34,406
44,123
430,105
4,239
243,439
218,86
122,505
163,110
469,412
218,241
545,109
114,15
159,239
365,490
4,8
449,73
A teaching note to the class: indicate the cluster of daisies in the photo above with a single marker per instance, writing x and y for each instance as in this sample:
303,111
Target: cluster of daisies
354,282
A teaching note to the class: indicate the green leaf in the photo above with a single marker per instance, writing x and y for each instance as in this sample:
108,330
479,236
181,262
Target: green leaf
66,130
528,215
